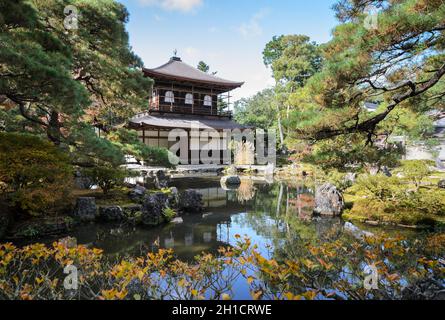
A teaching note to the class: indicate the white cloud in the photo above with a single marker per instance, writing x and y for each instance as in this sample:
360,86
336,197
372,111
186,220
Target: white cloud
252,27
174,5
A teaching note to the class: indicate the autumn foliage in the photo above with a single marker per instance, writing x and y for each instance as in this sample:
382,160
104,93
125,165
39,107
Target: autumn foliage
35,174
332,270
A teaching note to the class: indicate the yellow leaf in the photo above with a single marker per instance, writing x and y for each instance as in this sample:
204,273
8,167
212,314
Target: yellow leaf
182,283
257,295
310,295
225,296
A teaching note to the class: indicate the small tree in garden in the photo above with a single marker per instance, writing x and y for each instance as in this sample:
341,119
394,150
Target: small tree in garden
416,171
35,174
106,178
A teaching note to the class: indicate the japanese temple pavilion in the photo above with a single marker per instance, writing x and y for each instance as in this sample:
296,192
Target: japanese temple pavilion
183,97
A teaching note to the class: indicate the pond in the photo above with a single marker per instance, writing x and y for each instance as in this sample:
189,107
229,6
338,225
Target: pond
276,216
268,213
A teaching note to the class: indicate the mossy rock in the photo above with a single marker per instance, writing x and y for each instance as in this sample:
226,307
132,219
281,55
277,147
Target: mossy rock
35,228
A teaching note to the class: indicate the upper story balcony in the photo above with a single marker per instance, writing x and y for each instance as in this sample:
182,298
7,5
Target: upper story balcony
185,102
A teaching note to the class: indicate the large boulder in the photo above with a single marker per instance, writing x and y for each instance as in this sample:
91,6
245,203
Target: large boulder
85,209
153,207
190,201
441,184
43,227
111,214
133,213
328,201
137,193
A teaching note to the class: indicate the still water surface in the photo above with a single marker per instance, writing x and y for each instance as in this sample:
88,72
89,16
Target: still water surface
276,216
270,214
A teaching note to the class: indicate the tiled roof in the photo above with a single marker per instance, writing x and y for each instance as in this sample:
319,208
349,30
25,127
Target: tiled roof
176,69
185,122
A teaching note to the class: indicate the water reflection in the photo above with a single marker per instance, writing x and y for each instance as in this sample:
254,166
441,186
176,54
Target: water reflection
254,209
277,217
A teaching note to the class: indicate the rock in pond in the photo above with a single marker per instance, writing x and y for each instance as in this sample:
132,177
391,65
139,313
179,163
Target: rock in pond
153,207
43,227
328,201
230,182
111,214
190,201
133,213
85,209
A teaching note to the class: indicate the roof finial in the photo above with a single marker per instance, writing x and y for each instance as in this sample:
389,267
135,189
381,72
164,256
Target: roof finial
175,56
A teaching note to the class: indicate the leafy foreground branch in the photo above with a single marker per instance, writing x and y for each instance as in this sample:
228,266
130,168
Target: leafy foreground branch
332,270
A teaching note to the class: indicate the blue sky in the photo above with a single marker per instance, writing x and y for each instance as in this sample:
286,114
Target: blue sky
229,35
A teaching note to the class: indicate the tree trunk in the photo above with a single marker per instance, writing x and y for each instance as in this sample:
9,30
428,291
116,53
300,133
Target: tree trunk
53,129
280,128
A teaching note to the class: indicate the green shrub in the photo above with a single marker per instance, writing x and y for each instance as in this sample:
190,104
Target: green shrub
429,202
392,199
129,143
169,214
377,187
35,175
106,177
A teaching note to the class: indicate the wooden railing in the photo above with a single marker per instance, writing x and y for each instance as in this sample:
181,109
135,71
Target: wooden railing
182,108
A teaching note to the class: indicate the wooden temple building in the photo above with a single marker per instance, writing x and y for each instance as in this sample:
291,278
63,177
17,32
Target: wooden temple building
183,97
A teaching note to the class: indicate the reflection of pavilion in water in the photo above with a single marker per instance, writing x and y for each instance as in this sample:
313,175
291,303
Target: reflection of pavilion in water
207,232
225,210
197,232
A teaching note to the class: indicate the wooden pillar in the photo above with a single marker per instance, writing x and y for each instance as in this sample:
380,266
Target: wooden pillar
211,106
174,97
193,101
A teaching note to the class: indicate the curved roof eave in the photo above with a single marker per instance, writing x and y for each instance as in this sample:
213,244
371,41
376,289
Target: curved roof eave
175,69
